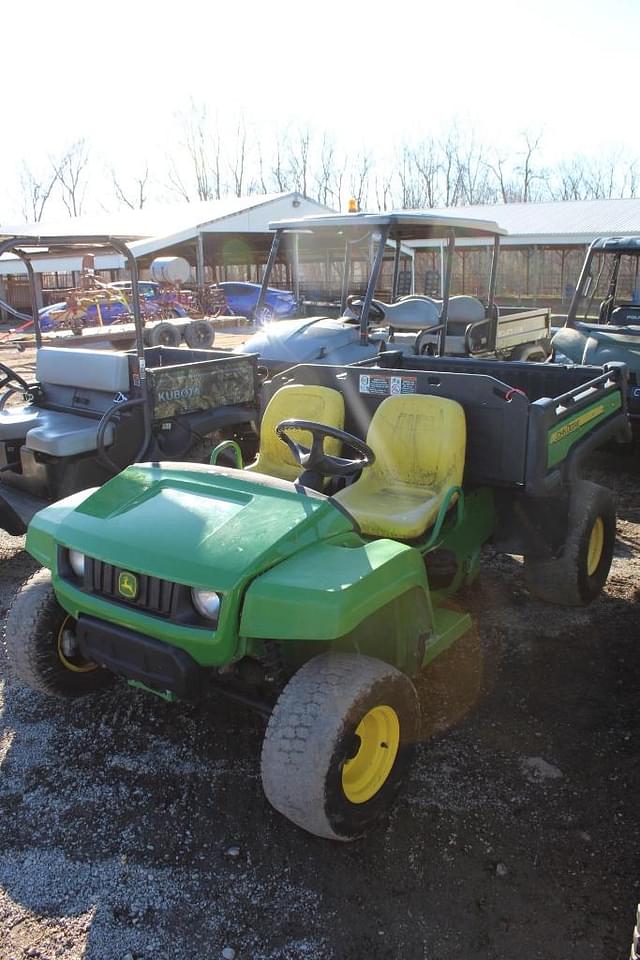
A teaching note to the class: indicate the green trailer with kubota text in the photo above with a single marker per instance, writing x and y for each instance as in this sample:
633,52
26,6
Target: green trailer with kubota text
315,583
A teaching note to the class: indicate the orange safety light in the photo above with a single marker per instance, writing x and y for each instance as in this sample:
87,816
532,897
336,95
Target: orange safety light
353,205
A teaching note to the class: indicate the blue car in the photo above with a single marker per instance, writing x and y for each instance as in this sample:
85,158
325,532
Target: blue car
242,298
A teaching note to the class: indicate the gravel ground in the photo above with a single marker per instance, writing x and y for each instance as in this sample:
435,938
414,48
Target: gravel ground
135,829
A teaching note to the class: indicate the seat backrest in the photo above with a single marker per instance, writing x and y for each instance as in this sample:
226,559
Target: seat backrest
419,441
413,313
86,369
463,309
320,404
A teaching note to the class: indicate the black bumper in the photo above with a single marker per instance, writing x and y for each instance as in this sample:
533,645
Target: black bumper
138,657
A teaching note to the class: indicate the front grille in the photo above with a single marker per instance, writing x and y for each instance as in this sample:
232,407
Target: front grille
156,596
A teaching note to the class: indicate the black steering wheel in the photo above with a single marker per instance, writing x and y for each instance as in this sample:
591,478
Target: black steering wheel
314,460
10,376
376,312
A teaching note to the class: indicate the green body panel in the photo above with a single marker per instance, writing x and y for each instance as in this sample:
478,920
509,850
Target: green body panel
191,523
464,536
563,436
290,566
398,632
324,592
449,625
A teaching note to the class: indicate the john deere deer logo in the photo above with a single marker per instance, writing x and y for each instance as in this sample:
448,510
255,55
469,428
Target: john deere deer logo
127,585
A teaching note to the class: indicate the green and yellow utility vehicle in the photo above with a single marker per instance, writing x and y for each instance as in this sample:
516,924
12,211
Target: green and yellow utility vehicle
315,583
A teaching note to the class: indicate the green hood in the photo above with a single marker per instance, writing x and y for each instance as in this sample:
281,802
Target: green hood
190,523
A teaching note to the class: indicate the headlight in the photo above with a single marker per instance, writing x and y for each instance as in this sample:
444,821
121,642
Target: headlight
76,560
207,603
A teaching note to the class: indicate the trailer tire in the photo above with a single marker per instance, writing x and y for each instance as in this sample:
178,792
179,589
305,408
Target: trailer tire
316,770
164,335
577,576
199,335
33,637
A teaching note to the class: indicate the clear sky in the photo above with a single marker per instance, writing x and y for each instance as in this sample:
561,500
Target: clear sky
372,73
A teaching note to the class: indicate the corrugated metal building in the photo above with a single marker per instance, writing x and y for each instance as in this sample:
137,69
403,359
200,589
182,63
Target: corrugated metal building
227,238
542,253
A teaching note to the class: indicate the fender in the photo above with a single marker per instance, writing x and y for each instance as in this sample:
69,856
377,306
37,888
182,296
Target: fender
324,592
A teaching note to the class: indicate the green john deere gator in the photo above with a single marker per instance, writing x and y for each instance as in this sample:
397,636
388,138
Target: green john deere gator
315,583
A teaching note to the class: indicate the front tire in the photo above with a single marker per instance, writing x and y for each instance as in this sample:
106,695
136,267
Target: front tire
577,576
338,744
36,638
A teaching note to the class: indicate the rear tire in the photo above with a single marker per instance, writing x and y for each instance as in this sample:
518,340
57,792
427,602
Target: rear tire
316,770
577,576
33,639
199,335
164,335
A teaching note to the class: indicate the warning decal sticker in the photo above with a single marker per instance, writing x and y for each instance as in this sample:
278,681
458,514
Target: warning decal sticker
385,385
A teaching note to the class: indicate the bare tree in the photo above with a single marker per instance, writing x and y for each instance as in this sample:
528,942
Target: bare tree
70,171
239,159
279,169
36,191
601,178
359,178
134,196
472,173
261,176
325,172
201,143
329,174
571,181
428,165
451,186
528,173
299,161
383,190
410,189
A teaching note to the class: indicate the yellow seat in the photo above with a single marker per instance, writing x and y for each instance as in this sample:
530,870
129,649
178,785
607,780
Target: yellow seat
320,404
419,443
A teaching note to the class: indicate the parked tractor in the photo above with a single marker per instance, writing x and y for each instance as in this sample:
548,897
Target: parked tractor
315,583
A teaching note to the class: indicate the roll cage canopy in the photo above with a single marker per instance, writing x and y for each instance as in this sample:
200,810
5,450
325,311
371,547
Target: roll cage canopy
28,247
396,226
401,224
611,250
630,245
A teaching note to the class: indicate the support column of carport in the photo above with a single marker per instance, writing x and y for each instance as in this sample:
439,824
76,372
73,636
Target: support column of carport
200,266
4,295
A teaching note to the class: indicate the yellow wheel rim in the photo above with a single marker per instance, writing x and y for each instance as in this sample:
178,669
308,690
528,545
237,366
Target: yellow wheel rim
379,738
596,546
76,665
